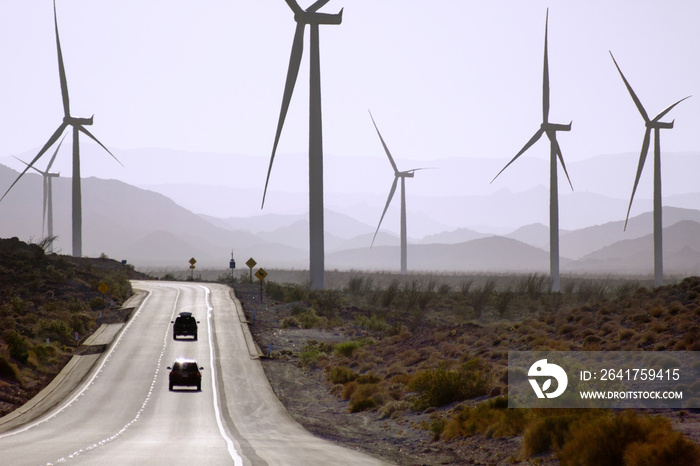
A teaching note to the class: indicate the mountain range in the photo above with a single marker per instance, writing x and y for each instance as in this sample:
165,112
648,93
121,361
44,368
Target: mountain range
150,230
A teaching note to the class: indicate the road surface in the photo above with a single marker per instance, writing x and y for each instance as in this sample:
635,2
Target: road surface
123,413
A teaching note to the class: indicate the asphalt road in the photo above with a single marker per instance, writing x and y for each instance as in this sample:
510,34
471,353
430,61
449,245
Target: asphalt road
122,412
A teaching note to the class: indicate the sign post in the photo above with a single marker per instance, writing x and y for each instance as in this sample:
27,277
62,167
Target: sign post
192,262
260,275
232,265
251,263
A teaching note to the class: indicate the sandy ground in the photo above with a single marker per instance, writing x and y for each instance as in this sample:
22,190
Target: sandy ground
305,394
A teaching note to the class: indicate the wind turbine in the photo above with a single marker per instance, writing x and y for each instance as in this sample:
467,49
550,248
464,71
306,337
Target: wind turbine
47,176
78,125
311,17
657,126
555,152
397,175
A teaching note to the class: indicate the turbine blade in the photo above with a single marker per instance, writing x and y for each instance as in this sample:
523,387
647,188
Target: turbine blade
89,134
557,149
33,168
295,7
316,6
61,68
386,149
640,167
386,207
545,76
668,109
48,168
634,96
292,73
529,143
48,144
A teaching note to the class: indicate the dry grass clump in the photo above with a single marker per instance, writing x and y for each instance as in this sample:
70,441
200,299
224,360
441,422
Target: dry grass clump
626,439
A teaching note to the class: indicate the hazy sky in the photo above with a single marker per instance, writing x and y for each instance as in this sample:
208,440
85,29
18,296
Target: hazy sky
456,78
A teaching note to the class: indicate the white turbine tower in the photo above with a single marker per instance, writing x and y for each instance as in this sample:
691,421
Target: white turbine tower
78,125
402,175
657,126
311,17
47,214
555,152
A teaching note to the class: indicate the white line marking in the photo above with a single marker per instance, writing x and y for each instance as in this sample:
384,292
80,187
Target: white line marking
238,461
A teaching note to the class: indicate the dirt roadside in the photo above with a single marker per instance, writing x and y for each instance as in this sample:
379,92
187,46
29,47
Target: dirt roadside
305,393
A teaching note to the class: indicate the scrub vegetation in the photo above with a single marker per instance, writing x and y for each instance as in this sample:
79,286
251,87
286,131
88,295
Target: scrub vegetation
430,353
45,299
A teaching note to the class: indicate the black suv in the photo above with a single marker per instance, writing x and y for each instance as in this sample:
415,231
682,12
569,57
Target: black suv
184,325
186,372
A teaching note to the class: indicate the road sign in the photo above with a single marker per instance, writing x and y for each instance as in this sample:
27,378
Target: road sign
192,267
260,274
102,288
192,262
251,263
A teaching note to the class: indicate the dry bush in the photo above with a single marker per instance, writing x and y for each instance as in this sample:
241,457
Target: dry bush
491,418
626,439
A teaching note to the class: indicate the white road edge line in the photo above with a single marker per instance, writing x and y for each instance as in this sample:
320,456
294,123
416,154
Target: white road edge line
87,385
238,461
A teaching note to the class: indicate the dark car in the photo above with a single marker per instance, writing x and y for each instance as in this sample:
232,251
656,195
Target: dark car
184,325
186,372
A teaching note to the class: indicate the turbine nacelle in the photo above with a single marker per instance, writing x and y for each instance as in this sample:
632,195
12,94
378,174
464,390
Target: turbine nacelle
658,124
310,15
406,174
555,127
73,121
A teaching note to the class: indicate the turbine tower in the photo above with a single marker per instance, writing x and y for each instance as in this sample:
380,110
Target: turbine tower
78,125
311,17
397,175
47,215
555,152
657,126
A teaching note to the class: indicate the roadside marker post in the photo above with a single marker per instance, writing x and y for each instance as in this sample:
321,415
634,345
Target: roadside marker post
232,265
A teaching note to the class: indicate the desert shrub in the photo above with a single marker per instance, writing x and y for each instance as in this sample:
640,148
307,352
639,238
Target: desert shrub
442,386
444,290
394,408
326,301
368,378
389,293
437,427
8,370
290,322
481,298
465,286
346,348
491,418
97,302
618,439
341,374
363,398
44,351
503,300
294,293
308,356
275,291
17,345
534,285
81,322
359,286
375,323
547,433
